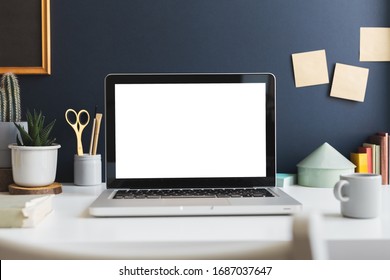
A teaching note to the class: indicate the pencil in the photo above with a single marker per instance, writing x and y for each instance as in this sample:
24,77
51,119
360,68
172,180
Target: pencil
96,134
92,136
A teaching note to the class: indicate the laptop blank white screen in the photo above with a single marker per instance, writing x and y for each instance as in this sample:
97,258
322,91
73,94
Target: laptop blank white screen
208,130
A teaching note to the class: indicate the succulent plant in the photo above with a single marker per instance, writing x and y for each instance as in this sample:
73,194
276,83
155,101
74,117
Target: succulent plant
9,98
38,134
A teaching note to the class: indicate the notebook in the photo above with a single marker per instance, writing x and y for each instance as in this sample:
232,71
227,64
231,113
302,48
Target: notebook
191,144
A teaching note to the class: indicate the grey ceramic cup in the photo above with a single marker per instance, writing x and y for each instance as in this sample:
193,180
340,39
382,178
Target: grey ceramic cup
87,170
359,195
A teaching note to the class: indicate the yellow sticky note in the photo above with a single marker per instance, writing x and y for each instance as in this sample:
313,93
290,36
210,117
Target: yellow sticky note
349,82
374,44
310,68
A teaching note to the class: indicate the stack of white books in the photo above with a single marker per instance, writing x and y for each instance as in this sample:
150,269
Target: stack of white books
24,210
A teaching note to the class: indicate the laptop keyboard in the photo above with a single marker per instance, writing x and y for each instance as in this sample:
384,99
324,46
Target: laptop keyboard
190,193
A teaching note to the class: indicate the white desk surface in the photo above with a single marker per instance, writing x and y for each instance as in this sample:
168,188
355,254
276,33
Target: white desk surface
69,228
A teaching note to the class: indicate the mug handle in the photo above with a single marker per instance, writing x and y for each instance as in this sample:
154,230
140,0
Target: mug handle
337,190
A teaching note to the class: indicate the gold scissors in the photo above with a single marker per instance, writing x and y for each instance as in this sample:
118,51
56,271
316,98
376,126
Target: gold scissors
78,126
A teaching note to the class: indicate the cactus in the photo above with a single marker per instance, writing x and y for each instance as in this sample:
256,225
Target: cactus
10,98
3,106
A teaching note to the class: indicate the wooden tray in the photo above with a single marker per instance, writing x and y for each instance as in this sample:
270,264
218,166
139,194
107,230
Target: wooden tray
54,188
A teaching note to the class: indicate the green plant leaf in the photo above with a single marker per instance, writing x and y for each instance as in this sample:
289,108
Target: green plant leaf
18,141
45,133
26,138
38,134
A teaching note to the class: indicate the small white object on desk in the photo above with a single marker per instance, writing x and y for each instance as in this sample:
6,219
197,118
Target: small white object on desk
285,179
24,210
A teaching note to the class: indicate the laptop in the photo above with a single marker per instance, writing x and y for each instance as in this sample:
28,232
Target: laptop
190,144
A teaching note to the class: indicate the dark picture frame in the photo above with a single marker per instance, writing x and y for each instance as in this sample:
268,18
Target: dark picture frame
25,29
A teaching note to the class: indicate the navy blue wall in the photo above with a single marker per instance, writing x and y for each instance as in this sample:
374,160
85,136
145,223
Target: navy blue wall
93,38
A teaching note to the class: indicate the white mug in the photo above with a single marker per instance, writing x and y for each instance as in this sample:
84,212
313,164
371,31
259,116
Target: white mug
359,194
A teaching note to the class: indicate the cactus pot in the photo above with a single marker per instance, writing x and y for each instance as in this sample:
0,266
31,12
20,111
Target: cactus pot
34,166
8,132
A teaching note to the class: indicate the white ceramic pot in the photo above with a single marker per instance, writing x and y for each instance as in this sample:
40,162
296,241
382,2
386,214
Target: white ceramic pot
34,166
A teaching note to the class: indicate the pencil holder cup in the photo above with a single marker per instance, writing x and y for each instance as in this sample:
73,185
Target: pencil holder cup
87,170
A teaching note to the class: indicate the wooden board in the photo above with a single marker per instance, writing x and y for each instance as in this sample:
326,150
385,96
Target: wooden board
54,188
